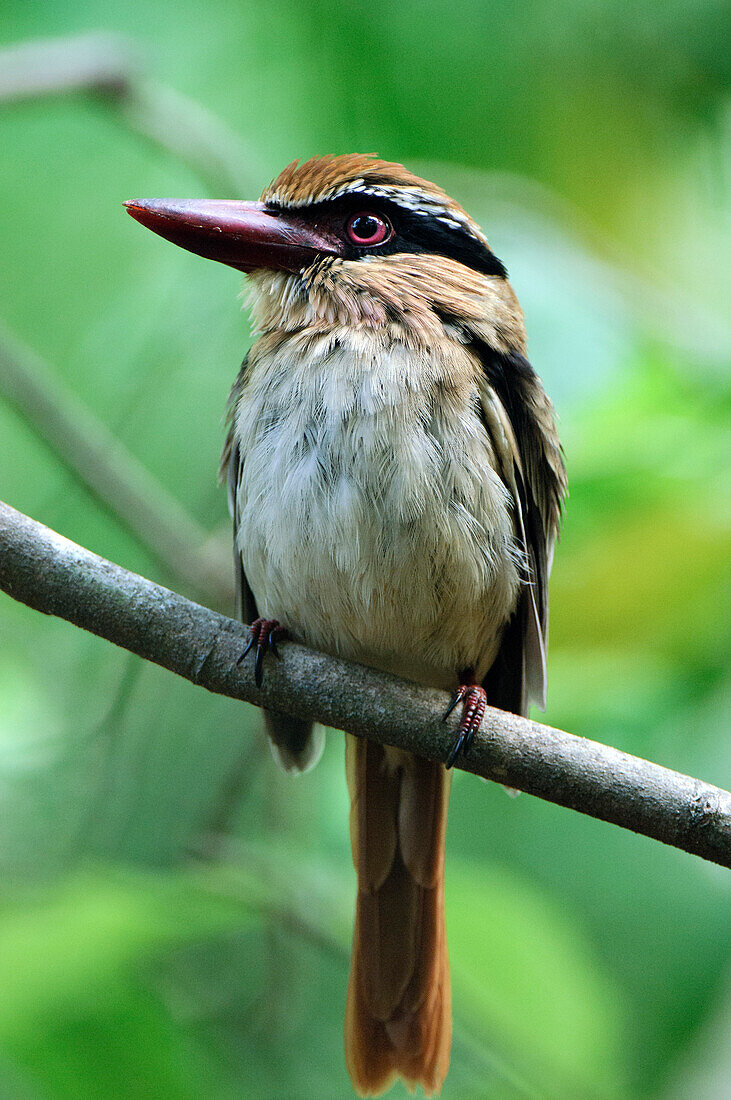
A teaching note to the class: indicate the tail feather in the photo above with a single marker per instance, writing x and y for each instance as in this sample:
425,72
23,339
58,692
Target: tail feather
398,1015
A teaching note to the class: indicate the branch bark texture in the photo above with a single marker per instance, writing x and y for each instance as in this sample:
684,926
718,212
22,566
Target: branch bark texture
47,572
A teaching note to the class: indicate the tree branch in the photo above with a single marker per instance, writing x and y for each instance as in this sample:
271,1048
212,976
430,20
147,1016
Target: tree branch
47,572
112,474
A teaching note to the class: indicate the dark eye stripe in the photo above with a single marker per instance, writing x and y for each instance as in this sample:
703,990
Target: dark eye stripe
427,233
412,232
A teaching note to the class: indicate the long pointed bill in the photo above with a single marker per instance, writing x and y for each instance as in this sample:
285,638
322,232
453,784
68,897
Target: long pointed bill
240,234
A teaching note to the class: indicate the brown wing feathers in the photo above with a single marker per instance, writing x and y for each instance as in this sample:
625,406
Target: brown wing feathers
519,418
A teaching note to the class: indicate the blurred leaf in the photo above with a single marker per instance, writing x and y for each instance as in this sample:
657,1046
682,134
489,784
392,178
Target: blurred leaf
526,979
61,949
76,1011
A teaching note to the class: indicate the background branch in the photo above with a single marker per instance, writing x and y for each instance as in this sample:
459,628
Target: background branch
113,475
110,66
46,571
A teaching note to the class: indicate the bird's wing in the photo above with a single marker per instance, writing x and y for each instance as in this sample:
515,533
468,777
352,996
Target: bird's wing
230,471
519,418
295,745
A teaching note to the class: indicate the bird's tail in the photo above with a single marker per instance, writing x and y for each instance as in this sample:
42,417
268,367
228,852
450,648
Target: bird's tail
398,1018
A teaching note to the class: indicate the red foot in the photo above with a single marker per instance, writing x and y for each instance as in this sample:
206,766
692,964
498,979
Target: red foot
265,633
474,701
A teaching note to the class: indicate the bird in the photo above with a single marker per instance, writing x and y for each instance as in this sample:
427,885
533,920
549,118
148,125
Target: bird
396,482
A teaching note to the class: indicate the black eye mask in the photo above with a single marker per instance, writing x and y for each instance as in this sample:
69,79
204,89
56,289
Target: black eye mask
412,232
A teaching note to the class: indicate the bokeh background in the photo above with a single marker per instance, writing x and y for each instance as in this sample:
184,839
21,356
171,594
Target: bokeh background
174,913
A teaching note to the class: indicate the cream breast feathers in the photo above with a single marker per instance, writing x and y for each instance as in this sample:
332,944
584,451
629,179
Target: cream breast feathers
370,516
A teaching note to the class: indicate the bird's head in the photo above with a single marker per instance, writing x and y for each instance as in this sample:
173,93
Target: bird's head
351,240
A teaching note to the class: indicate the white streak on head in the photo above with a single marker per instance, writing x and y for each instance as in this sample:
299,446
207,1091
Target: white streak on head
411,198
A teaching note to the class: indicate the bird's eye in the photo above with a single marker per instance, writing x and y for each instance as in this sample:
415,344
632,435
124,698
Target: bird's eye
365,228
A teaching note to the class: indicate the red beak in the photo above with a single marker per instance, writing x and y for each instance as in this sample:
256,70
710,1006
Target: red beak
241,234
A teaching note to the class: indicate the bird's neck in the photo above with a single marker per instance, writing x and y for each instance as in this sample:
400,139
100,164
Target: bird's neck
343,372
410,300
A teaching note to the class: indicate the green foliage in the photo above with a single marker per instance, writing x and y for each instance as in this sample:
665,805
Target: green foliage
73,964
589,140
524,980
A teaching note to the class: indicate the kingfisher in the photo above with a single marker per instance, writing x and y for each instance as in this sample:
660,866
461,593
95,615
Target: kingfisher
396,484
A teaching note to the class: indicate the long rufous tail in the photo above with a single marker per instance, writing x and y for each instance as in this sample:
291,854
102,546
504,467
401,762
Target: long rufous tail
398,1019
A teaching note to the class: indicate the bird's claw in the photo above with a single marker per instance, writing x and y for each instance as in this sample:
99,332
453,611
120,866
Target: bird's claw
473,700
264,634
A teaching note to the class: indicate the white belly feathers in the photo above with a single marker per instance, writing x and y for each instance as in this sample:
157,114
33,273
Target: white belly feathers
371,521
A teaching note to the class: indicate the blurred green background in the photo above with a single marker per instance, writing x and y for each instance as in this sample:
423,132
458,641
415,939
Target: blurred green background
175,914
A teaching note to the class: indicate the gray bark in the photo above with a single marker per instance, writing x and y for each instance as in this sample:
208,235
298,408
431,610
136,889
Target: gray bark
47,572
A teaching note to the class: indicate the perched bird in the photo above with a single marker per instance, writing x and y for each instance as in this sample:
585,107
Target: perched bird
396,483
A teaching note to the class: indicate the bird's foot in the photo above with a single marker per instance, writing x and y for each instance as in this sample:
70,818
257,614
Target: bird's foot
473,700
264,634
